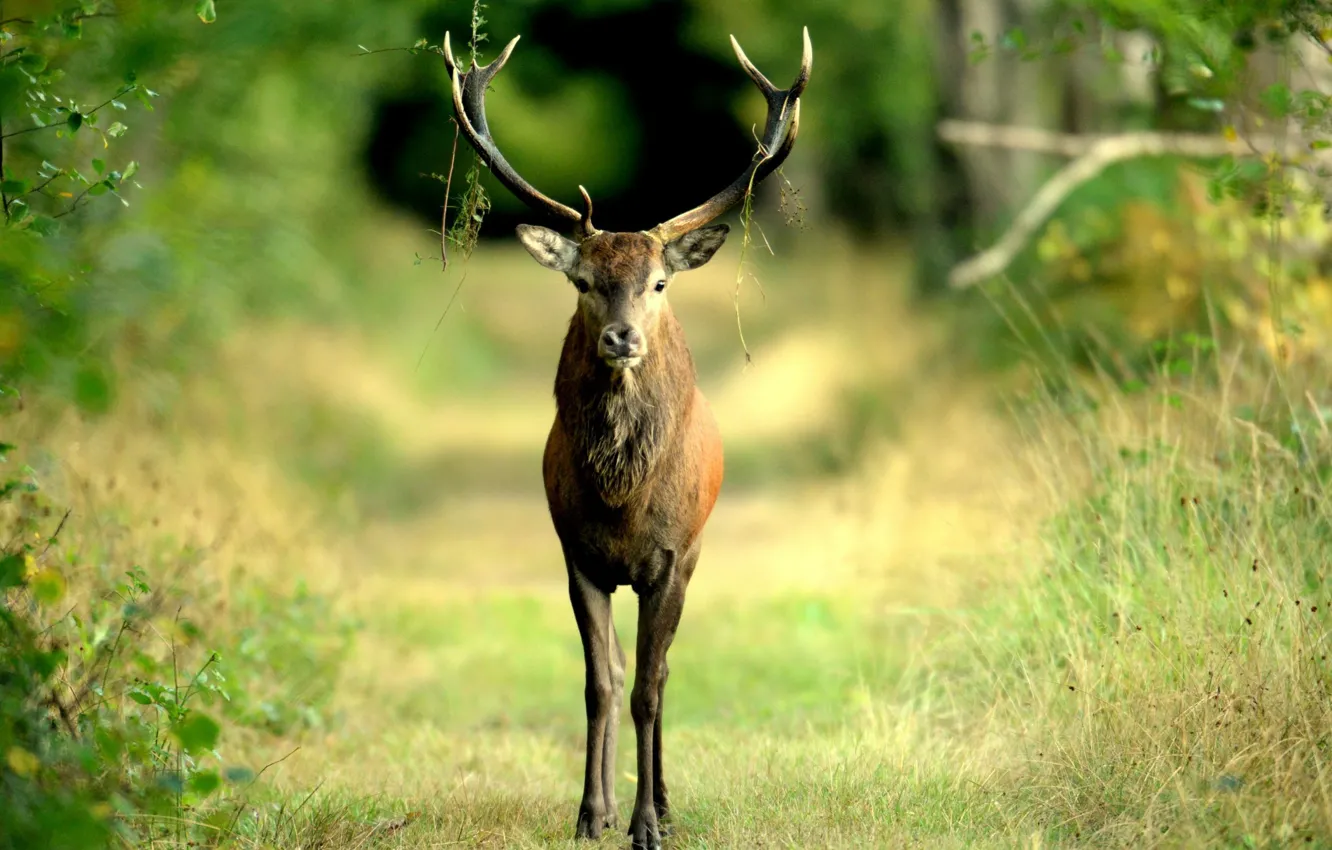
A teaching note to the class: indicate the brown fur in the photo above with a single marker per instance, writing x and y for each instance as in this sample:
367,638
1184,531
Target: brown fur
633,463
632,469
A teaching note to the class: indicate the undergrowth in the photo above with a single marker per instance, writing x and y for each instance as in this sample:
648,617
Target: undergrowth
120,683
1164,673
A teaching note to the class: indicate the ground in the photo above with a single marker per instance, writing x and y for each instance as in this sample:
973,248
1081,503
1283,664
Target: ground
871,493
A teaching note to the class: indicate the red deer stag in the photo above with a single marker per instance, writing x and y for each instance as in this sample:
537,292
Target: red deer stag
633,463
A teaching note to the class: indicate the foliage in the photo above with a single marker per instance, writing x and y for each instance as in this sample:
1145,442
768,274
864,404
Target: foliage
114,698
61,133
105,707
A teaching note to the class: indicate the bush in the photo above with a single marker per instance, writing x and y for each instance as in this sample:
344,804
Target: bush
113,699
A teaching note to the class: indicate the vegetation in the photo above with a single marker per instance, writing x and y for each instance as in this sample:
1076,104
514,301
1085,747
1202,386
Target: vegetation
274,564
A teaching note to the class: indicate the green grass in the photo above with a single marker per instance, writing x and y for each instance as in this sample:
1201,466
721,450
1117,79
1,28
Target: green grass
1156,676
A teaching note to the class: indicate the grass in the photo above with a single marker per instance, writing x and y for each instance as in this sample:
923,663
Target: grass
939,627
1152,672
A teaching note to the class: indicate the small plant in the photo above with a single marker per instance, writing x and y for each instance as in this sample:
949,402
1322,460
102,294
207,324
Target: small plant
103,732
113,702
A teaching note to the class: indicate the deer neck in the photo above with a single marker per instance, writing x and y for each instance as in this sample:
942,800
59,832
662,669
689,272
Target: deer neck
623,421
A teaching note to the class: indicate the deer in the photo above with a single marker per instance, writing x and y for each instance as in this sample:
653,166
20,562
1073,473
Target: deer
633,463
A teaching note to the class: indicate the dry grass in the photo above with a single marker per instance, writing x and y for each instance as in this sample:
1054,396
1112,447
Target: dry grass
933,641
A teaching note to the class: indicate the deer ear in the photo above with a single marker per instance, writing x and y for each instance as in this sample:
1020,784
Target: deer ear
695,248
548,248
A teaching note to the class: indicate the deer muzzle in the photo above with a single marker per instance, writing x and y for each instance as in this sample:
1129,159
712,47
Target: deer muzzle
621,346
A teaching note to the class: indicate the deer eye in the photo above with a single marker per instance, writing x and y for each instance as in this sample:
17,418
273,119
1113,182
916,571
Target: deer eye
661,286
582,284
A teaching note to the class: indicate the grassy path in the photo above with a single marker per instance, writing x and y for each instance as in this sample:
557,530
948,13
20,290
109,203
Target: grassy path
786,723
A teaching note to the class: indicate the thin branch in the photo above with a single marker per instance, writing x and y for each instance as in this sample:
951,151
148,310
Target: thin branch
37,190
74,205
4,198
73,19
429,48
444,216
1093,154
124,91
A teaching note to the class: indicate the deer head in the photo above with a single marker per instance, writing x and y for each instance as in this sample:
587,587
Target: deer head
622,278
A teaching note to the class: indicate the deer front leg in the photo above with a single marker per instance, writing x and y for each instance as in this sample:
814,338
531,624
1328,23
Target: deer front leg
592,610
612,726
660,799
659,610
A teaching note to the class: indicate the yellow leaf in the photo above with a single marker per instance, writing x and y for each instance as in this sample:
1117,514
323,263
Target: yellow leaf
22,762
66,194
1230,133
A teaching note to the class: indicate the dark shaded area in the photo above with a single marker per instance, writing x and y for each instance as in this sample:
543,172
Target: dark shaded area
691,145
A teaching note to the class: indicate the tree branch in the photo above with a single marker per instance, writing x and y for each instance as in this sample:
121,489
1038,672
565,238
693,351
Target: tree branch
56,126
1092,154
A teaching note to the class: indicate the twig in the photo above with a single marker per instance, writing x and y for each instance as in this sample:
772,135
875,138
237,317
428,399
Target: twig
73,19
244,802
56,126
1094,153
429,48
444,245
444,216
50,541
74,205
4,198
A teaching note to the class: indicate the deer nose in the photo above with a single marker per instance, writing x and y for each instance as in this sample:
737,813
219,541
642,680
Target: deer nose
621,340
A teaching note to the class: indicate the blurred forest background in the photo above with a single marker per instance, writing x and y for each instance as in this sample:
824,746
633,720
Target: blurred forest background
1023,549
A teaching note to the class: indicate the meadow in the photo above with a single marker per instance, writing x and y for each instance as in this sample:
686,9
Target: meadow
936,607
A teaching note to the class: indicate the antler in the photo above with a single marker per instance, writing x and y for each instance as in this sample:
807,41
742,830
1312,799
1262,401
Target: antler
779,135
469,102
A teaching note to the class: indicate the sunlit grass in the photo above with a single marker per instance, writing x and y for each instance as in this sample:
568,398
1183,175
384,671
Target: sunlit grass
913,622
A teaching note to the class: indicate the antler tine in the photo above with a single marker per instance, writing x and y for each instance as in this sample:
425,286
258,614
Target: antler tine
585,223
469,102
779,135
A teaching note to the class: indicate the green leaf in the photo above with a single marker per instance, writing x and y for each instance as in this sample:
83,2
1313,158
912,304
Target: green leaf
141,698
206,11
93,391
43,225
75,121
1278,100
14,187
110,742
11,571
116,130
33,63
115,104
238,775
130,170
205,783
99,165
48,586
196,732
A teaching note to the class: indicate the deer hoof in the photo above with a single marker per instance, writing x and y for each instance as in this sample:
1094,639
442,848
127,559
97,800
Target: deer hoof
664,825
645,837
590,823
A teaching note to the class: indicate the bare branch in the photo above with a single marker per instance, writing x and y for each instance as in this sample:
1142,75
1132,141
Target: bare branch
1093,154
